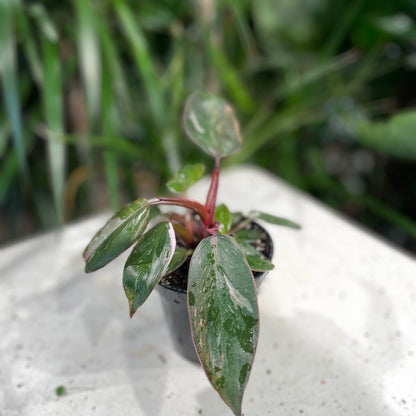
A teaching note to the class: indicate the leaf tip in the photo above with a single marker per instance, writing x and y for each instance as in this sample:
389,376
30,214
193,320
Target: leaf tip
132,309
88,268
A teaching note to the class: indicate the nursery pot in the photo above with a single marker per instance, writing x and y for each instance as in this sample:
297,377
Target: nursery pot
175,305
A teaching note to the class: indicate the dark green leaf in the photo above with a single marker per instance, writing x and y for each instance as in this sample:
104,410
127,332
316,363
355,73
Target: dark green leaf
113,64
178,259
4,133
148,263
211,124
9,81
223,215
46,25
185,177
8,169
256,260
29,46
249,235
273,219
108,129
224,315
120,232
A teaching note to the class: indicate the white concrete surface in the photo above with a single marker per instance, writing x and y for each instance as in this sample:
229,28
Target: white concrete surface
338,325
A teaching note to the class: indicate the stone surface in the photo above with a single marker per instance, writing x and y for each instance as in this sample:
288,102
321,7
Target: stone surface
338,324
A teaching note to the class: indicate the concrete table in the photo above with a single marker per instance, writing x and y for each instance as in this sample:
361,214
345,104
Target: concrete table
338,324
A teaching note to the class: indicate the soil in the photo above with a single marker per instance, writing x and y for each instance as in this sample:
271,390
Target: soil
179,277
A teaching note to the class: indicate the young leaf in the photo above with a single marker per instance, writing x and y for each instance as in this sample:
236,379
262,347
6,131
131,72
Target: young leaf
224,315
223,215
236,217
119,233
148,263
274,220
210,123
178,259
250,236
185,177
256,260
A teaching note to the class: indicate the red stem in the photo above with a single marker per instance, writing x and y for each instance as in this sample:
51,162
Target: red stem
206,213
182,202
189,223
212,193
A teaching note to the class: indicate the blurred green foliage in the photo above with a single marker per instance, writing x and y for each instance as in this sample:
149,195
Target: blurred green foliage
92,93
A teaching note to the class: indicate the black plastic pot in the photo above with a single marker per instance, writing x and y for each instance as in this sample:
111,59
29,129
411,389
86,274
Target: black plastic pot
175,306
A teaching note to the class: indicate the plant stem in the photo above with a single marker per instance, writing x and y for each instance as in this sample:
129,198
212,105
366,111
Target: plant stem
242,224
189,223
212,193
186,203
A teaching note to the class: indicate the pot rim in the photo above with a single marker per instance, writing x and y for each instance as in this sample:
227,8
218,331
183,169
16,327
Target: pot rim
256,275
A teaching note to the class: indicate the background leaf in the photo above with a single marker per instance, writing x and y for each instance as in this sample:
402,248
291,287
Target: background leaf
53,109
151,83
108,124
395,136
311,81
224,315
9,83
90,56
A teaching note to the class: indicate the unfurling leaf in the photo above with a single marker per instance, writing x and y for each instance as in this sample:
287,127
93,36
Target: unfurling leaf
223,215
210,123
118,234
224,315
148,263
186,177
273,219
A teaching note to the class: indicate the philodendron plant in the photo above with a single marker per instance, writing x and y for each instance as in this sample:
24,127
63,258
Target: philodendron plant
222,301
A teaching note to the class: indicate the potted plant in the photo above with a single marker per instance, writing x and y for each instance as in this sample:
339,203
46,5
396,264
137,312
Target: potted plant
218,250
